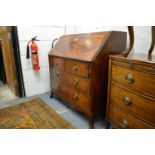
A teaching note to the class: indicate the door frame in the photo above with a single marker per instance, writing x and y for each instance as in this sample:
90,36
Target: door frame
17,58
14,74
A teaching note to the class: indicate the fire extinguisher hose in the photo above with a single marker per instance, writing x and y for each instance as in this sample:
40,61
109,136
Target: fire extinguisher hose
28,51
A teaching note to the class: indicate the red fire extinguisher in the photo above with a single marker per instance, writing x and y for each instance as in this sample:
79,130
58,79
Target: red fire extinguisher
34,53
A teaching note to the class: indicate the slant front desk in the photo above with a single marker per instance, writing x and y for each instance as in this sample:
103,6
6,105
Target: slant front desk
79,68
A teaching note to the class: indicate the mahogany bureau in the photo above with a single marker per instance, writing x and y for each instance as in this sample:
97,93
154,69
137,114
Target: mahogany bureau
131,91
78,70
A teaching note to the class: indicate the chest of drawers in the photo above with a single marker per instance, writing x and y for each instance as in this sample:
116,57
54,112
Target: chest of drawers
131,91
78,70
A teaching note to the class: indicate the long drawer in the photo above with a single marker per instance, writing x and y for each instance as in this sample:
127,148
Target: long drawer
73,95
82,84
138,105
124,120
134,79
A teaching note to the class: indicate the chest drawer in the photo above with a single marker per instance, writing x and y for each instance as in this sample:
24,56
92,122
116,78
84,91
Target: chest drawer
78,68
56,63
138,105
72,80
134,79
124,120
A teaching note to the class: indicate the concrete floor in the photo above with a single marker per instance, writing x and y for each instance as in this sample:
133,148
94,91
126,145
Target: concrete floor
74,117
5,92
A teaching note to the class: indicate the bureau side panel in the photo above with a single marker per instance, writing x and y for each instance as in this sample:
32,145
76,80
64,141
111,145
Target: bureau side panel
115,44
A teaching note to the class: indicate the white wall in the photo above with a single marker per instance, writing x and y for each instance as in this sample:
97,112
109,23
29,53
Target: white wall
37,82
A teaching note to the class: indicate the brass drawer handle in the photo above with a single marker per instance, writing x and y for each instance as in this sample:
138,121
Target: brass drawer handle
124,123
74,68
57,73
130,78
127,100
75,96
55,64
75,82
57,85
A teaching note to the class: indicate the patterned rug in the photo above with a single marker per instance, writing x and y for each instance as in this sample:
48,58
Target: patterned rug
32,114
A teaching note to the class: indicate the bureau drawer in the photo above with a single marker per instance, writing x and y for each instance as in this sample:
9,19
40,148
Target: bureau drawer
56,63
82,84
78,68
74,96
124,120
140,106
134,79
55,84
56,74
